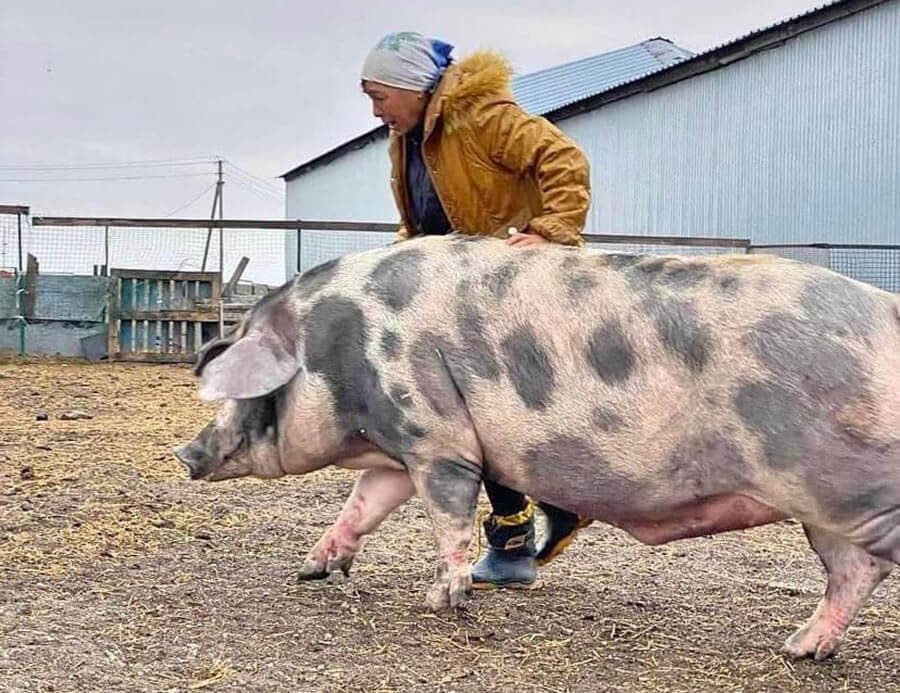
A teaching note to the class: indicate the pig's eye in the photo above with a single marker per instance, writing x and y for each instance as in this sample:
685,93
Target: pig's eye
236,444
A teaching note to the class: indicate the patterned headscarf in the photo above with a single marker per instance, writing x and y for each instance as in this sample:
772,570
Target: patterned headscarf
407,60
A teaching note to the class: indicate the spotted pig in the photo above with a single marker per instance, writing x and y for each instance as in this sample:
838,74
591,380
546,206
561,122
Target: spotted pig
670,397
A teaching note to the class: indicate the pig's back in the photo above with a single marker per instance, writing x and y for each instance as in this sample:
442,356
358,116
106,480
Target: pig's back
706,373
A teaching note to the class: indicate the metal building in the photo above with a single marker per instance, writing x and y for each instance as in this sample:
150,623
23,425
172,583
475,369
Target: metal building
786,135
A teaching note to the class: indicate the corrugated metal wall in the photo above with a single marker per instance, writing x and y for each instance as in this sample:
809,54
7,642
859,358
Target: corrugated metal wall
800,143
355,187
797,144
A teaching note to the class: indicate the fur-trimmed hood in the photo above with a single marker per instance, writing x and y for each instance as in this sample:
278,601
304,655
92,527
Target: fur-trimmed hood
479,77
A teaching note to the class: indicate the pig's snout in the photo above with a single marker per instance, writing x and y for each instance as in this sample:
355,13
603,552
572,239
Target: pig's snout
195,463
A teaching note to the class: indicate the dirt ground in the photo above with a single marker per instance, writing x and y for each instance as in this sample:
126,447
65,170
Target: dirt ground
119,574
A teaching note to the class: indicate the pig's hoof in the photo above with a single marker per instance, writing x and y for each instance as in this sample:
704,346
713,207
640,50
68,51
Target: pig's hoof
452,595
318,569
312,571
342,563
818,643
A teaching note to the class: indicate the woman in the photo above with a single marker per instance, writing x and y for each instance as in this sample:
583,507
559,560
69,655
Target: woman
465,157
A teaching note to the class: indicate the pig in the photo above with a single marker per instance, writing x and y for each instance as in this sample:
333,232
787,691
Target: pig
669,397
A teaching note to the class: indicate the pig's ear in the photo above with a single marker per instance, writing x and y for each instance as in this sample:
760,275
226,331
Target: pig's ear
210,350
253,366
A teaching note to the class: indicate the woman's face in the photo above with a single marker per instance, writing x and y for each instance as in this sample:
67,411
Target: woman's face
399,109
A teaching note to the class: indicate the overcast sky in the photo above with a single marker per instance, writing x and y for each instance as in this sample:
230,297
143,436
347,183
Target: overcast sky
266,84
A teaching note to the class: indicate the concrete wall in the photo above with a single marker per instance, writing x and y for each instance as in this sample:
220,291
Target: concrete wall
67,309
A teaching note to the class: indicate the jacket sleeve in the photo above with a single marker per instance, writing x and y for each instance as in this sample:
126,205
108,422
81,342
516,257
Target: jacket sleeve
532,145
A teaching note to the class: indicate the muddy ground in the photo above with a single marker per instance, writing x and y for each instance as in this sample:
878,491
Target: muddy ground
118,574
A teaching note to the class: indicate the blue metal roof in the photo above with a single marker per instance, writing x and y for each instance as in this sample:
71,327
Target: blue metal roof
546,90
555,87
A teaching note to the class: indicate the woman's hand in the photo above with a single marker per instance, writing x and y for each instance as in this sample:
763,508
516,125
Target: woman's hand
523,239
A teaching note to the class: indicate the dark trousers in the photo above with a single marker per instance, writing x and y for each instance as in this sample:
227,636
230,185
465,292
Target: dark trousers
504,500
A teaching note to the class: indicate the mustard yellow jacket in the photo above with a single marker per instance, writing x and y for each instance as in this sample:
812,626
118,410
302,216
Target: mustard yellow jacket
493,165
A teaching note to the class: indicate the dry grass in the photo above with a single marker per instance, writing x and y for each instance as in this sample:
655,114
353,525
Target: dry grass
118,574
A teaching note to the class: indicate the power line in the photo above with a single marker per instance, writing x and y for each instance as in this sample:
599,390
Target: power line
257,193
188,204
81,180
147,163
237,176
246,172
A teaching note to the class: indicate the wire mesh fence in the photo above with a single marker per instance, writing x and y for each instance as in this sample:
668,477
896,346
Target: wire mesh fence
878,265
58,275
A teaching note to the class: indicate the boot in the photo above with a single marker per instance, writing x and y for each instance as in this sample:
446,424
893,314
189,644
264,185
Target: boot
562,526
509,561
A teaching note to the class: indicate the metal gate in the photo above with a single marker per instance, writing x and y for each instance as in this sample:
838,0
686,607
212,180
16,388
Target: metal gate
162,316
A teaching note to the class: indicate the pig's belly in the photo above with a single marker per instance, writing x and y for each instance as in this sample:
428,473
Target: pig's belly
712,515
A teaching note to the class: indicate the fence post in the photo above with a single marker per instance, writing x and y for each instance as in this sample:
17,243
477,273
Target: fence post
299,251
20,289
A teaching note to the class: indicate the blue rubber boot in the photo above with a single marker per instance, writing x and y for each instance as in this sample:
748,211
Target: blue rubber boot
509,561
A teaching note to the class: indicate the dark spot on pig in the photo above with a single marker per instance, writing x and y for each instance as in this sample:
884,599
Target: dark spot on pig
498,280
607,420
317,278
335,345
528,255
780,418
464,290
706,465
477,353
799,355
618,261
861,488
432,374
390,344
688,273
396,279
729,282
838,306
681,332
653,265
570,262
675,272
864,502
578,285
610,354
415,430
568,467
453,486
528,367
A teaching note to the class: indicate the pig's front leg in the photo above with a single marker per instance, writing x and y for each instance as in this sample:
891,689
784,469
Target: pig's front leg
376,494
449,492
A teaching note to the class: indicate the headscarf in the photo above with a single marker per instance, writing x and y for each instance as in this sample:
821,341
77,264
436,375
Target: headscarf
407,60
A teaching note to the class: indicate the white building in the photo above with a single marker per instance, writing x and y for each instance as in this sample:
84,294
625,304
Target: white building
786,135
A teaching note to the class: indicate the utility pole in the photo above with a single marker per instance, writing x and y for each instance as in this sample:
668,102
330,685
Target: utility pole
219,187
217,200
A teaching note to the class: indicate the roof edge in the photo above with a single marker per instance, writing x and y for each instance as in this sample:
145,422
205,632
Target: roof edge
719,56
357,142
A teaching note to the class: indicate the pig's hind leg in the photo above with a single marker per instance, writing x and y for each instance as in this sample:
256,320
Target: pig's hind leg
448,488
853,574
376,494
